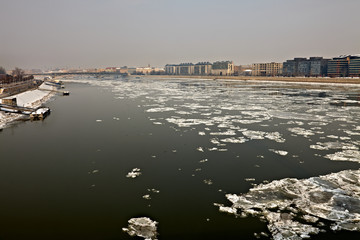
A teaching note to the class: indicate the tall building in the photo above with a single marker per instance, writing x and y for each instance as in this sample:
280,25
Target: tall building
318,66
259,69
339,66
354,67
223,68
291,67
303,68
267,69
202,68
274,69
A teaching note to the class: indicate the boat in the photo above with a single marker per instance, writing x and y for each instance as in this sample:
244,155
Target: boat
40,114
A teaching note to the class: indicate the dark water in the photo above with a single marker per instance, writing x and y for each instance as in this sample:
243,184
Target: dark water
65,177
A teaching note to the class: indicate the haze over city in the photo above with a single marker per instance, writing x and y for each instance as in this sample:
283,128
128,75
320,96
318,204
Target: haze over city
78,33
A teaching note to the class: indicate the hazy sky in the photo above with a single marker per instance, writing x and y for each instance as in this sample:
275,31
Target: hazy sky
100,33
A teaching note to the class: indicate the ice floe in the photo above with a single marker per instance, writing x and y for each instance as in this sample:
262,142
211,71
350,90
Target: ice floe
334,197
279,152
334,145
301,131
134,173
345,155
142,227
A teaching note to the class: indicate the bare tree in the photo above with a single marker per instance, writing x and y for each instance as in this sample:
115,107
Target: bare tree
2,70
18,73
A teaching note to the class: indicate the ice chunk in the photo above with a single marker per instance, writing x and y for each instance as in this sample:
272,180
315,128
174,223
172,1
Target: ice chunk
301,131
234,140
200,149
228,210
142,227
164,109
280,152
346,155
208,181
147,197
134,173
334,197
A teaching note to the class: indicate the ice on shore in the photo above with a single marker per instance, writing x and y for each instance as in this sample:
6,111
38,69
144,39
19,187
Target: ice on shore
142,227
334,197
134,173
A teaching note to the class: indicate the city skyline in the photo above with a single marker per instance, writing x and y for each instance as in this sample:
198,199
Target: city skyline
87,34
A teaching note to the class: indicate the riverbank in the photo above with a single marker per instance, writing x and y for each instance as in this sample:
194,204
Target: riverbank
276,79
32,99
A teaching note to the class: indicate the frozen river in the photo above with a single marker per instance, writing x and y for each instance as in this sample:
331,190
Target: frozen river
200,157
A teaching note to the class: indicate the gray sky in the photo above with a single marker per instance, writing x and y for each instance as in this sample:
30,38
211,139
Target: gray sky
100,33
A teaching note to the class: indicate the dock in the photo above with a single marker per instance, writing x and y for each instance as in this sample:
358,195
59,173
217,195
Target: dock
34,113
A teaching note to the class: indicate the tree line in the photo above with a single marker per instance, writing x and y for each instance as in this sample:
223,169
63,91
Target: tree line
18,72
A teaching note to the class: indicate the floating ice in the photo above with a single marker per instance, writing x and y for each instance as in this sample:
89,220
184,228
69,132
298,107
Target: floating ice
200,149
202,133
226,133
228,210
142,227
279,152
334,197
234,140
154,190
134,173
346,155
333,145
301,131
147,197
208,181
98,120
164,109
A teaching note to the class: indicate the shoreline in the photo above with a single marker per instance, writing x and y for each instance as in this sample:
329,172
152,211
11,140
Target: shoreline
270,79
32,98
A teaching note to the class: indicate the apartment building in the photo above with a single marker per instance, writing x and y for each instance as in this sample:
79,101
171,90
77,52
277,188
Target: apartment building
267,69
202,68
223,68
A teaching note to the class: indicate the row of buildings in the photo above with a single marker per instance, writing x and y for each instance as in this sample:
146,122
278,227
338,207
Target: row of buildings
220,68
342,66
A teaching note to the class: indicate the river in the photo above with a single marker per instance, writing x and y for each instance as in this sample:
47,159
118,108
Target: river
193,140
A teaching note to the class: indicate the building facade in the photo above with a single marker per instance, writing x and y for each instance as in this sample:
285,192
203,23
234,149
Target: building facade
267,69
339,66
202,68
223,68
354,67
318,66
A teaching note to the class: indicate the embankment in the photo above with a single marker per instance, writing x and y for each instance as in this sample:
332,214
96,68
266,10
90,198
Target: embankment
281,79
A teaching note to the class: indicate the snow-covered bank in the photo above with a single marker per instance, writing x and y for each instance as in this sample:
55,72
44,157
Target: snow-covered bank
296,208
32,99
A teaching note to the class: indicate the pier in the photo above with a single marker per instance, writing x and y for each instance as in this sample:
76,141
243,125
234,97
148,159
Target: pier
39,113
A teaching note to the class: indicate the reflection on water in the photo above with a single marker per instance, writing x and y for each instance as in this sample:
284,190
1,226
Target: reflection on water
194,140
